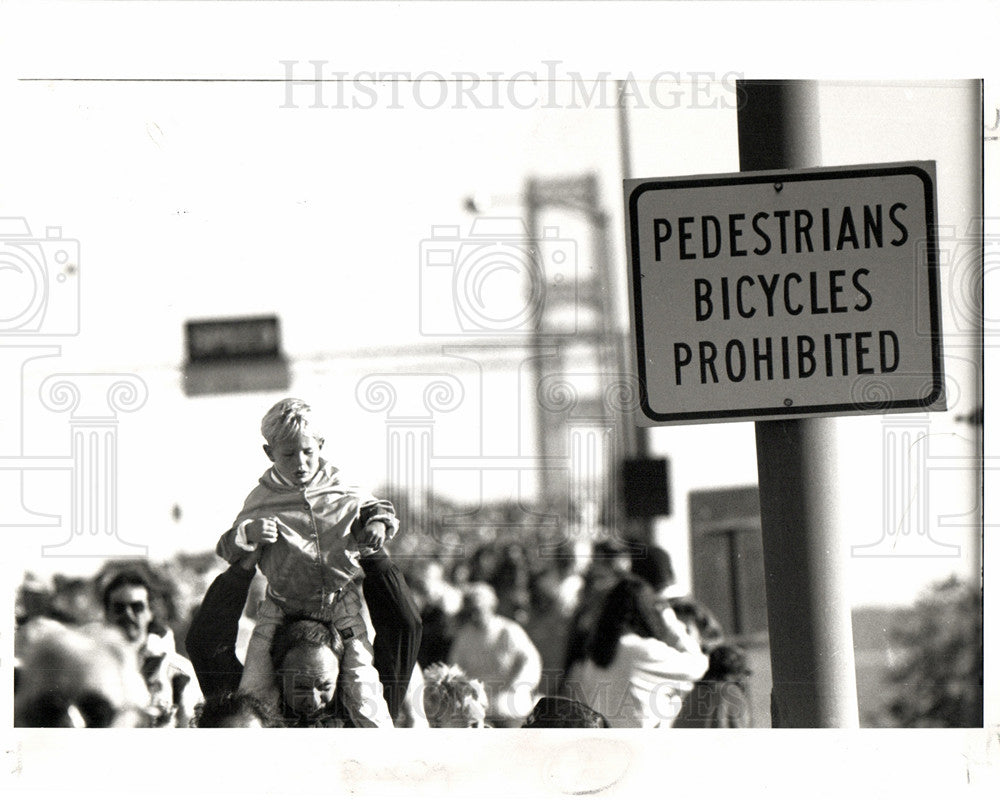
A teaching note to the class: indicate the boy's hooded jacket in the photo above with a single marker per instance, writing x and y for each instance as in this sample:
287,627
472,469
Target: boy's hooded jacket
316,553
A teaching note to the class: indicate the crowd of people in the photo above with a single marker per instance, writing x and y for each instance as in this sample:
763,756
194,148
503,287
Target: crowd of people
119,670
586,634
597,624
594,639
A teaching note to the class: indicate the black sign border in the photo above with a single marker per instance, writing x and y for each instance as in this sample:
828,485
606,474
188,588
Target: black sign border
787,176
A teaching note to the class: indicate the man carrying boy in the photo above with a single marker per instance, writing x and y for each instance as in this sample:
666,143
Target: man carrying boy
309,529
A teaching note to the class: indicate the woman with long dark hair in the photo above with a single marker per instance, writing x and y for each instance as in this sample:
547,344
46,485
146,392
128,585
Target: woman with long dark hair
631,674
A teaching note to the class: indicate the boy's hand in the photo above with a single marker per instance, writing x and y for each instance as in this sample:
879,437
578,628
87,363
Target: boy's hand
373,535
262,531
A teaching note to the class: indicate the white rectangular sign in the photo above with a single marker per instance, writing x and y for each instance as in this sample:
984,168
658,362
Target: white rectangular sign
785,293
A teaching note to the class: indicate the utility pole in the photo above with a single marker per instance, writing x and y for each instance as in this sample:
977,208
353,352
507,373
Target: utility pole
641,529
809,622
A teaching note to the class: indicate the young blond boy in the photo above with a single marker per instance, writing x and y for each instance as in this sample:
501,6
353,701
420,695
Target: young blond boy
309,528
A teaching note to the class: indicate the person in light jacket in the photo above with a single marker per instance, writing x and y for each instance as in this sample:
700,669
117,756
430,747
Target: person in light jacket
636,669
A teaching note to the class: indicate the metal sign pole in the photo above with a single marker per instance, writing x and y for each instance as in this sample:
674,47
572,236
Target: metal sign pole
809,622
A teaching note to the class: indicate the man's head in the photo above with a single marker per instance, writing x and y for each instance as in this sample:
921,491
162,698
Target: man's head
293,442
235,710
479,604
306,656
126,601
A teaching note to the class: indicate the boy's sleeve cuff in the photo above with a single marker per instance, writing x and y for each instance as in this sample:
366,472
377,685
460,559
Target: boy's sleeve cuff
241,537
390,521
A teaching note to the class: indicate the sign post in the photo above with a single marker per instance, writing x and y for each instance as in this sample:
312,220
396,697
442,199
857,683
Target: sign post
808,612
785,294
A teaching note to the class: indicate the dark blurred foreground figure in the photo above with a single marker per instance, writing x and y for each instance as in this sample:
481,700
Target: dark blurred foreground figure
719,699
308,661
71,678
561,712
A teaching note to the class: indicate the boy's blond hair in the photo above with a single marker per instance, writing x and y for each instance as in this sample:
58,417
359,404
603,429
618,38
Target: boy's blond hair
288,418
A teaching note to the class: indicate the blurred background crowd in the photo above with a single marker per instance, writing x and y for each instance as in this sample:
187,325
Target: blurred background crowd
512,623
